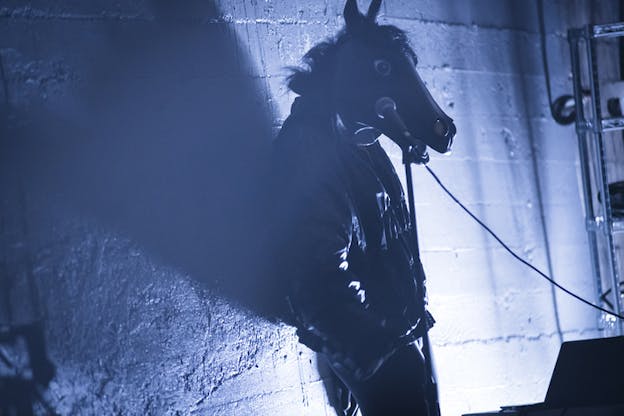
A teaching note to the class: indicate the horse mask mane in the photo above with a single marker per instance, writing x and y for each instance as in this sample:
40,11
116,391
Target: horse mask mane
315,75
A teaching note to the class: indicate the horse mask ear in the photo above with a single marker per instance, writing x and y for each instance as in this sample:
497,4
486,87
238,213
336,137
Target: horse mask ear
373,10
353,17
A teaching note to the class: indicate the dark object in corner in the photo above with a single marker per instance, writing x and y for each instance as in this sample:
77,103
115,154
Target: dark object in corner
588,373
586,380
20,390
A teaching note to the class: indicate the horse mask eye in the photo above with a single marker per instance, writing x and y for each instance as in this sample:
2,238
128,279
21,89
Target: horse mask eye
383,67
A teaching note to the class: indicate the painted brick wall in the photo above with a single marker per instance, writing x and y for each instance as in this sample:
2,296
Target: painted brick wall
133,210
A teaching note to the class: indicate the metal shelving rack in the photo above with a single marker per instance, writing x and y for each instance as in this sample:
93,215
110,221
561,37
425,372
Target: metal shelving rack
591,130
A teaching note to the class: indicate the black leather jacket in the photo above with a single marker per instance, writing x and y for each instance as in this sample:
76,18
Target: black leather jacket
345,253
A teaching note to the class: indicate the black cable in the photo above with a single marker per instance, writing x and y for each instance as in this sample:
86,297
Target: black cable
561,104
621,42
540,15
513,253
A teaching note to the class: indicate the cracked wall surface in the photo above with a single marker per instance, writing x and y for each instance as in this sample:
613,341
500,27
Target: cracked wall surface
133,140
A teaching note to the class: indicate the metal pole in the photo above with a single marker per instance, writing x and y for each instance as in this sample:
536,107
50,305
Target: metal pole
582,130
601,177
430,382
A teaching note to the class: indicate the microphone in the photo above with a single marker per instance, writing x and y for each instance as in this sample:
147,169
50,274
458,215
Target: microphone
386,109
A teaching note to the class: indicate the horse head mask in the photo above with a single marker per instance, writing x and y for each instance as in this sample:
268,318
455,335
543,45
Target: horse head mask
374,84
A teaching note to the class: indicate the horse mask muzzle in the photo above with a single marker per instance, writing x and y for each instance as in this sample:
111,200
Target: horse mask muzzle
410,114
439,135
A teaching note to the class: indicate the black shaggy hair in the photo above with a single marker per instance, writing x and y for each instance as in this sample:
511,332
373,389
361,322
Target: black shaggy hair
318,62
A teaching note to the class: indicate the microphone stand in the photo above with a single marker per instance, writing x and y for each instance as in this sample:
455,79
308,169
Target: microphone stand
414,152
413,155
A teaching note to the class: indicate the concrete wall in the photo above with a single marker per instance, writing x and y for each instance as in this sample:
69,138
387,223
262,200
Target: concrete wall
132,136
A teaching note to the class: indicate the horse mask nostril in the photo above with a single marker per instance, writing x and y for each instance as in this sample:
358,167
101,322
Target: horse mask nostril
440,128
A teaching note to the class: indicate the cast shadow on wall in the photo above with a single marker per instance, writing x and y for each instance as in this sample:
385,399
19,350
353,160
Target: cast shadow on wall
167,144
